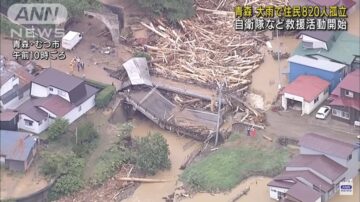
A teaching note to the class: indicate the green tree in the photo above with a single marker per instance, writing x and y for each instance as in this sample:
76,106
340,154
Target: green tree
85,139
174,10
53,164
152,153
71,180
58,128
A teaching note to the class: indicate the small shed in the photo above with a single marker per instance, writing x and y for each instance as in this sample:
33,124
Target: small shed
305,93
329,71
8,120
18,149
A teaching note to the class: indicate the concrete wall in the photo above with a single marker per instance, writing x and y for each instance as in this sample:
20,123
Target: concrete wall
80,110
333,77
8,85
274,192
307,107
36,127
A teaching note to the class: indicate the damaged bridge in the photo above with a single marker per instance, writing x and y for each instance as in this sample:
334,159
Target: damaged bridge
146,98
200,125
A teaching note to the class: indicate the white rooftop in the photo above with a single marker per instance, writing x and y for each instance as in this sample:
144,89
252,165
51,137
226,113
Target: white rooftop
137,70
316,63
70,35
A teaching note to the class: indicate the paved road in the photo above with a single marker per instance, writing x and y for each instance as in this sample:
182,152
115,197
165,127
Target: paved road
292,124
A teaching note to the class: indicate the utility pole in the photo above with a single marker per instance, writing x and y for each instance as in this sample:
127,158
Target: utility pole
219,110
76,139
278,58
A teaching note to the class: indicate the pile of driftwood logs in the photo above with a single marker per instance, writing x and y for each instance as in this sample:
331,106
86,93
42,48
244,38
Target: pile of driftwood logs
207,50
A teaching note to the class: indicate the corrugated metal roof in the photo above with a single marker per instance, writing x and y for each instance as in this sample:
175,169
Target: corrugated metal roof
303,193
7,115
326,145
307,87
318,163
319,64
138,71
342,50
16,145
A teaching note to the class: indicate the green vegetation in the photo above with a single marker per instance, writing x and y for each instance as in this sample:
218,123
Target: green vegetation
6,25
85,139
173,10
103,98
109,163
113,158
58,128
96,84
68,169
152,153
227,167
142,54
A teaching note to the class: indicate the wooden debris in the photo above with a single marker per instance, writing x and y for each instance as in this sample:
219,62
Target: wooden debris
190,158
241,194
147,180
268,138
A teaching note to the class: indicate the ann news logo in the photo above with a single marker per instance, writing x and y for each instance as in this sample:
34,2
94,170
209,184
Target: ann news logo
37,13
346,187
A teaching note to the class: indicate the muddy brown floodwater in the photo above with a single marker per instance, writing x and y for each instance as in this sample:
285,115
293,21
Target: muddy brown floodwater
179,147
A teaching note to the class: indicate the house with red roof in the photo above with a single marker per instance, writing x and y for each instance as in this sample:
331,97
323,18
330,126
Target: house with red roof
305,93
55,94
346,99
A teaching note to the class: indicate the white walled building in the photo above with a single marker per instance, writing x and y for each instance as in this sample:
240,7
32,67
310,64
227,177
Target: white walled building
305,93
55,95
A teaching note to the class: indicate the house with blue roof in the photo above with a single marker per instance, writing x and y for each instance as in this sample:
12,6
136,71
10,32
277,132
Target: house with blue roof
18,149
324,69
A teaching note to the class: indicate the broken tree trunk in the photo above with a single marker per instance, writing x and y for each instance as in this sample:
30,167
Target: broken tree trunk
190,158
147,180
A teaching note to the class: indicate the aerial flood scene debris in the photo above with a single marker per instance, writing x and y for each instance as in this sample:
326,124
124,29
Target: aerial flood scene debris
180,100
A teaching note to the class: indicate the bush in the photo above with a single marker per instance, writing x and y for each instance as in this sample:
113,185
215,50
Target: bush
174,10
103,98
152,154
71,181
59,127
109,163
53,164
85,140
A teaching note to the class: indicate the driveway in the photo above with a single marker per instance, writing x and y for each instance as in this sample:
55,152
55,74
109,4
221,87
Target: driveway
291,124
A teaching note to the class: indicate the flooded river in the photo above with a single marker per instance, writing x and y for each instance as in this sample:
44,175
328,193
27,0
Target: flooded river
179,147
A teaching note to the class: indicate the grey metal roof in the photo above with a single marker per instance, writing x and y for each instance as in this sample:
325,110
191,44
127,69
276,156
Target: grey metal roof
57,79
319,64
138,71
16,145
327,145
319,163
29,109
325,36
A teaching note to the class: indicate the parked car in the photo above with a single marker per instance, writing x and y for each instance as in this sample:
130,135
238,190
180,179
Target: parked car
323,112
70,40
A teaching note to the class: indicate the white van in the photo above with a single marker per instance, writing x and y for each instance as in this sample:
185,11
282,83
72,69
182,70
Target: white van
70,40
